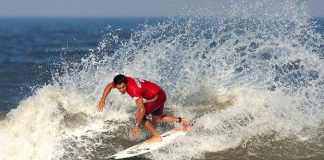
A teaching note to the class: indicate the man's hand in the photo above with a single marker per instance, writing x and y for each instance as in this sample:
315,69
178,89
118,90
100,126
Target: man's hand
135,132
101,105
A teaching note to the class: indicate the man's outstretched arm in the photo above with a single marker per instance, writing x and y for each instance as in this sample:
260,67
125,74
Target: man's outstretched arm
141,111
102,102
139,118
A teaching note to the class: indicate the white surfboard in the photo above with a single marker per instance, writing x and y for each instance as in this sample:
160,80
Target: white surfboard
145,147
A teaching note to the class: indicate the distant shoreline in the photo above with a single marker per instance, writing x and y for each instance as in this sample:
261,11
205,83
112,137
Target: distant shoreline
72,17
92,17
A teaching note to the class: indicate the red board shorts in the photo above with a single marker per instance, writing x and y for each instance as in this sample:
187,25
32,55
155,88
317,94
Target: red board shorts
156,105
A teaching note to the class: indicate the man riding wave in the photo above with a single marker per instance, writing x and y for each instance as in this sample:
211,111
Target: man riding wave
155,98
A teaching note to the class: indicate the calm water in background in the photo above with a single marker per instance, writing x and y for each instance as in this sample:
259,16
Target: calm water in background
32,48
36,51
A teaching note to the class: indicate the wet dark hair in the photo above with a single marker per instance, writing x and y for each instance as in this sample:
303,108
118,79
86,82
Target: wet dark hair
119,79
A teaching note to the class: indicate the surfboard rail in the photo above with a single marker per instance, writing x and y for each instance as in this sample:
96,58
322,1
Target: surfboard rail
145,147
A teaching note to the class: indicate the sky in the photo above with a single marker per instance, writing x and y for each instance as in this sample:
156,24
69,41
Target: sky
112,8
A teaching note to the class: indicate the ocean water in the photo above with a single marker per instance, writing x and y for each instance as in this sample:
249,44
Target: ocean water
249,76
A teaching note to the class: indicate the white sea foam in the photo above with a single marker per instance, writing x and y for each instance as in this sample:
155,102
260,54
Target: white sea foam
252,72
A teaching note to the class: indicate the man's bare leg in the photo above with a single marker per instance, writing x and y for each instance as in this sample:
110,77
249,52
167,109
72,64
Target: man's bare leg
155,135
172,119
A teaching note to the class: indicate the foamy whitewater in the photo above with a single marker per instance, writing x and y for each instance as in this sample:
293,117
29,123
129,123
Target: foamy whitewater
249,76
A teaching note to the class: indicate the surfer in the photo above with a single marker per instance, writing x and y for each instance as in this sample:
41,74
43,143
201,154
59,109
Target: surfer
150,99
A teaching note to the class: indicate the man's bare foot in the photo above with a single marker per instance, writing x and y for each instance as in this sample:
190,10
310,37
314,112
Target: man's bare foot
185,121
186,128
185,125
154,139
183,129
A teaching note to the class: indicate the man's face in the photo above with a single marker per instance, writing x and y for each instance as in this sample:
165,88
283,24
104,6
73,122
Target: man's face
121,88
